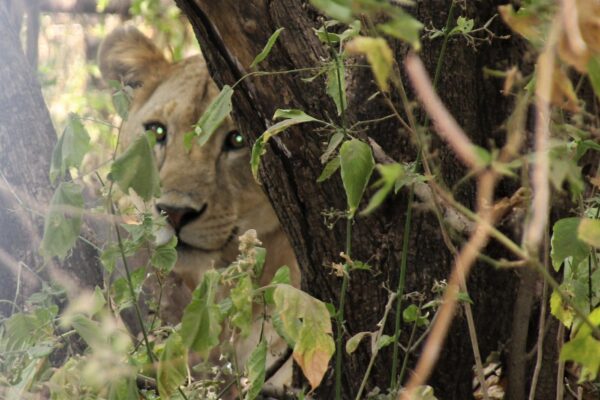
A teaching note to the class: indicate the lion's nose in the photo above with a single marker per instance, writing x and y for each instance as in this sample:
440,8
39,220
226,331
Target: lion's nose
178,217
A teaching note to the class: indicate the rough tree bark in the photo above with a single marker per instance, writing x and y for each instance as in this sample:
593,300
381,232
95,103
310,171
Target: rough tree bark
27,138
231,33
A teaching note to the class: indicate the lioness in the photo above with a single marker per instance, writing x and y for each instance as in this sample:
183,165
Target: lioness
208,193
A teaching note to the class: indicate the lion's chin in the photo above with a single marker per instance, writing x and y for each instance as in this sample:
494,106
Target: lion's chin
215,245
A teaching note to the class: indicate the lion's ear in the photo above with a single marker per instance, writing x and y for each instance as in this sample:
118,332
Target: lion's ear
128,56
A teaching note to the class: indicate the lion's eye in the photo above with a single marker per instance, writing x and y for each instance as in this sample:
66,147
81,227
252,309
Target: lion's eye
160,131
234,141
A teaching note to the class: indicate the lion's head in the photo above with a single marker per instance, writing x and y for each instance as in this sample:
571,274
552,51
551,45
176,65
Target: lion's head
208,193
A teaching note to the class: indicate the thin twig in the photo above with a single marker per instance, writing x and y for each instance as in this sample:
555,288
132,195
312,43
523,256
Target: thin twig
374,344
462,266
541,328
570,21
560,374
475,345
445,124
534,230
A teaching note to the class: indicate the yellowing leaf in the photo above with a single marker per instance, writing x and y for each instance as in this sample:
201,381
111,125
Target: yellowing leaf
378,54
403,26
306,321
589,231
312,352
354,341
578,48
561,311
585,349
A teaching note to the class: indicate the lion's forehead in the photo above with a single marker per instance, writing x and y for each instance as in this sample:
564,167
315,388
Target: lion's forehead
179,97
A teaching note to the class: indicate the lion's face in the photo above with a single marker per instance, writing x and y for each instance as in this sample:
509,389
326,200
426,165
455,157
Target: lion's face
208,193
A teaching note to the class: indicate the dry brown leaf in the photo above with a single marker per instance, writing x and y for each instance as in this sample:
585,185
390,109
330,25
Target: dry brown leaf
588,18
527,26
563,93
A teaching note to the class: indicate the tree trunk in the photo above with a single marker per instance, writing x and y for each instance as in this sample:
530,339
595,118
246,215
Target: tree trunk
27,138
231,33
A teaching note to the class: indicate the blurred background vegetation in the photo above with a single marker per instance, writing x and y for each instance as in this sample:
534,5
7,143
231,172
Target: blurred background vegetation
70,32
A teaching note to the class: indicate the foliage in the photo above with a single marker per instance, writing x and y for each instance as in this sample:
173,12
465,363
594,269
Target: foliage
29,339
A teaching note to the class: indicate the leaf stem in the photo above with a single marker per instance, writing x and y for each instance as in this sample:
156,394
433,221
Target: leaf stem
408,222
340,316
401,283
133,296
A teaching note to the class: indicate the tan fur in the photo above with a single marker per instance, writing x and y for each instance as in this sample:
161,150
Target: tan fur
207,176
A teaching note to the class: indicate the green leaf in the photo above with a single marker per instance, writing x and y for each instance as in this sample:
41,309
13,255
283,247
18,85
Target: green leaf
188,140
121,292
585,349
136,169
358,265
281,276
390,174
405,27
306,321
201,322
356,162
241,297
89,330
123,389
256,368
336,84
334,38
329,169
260,256
336,9
291,117
565,243
109,257
121,101
411,313
384,341
463,26
214,115
593,68
70,148
589,231
464,297
379,55
267,49
334,142
164,257
172,366
63,221
354,341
